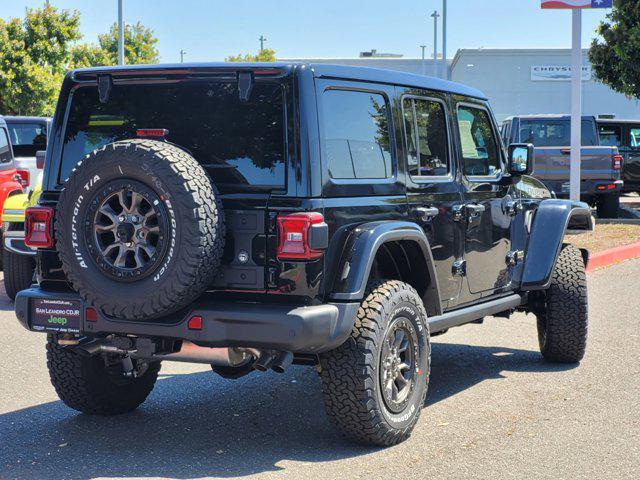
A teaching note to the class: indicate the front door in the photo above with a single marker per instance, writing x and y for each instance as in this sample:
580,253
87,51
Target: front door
487,207
432,191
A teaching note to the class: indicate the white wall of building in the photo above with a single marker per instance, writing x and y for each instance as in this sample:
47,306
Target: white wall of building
505,77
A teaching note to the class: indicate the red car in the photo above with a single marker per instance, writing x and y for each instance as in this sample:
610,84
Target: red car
9,182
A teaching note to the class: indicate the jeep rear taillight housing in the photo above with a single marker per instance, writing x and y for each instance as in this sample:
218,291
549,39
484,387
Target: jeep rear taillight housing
23,177
294,232
38,227
616,162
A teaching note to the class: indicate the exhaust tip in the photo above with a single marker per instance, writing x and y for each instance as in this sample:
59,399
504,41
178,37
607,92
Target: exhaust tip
264,362
282,362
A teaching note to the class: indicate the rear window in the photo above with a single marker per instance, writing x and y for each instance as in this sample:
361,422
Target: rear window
610,135
27,138
240,144
555,133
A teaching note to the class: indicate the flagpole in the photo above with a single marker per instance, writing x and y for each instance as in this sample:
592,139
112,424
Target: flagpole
576,105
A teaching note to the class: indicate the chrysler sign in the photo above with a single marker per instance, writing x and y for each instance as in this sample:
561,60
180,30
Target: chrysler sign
557,73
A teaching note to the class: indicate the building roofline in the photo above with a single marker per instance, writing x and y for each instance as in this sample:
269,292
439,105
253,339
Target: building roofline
507,51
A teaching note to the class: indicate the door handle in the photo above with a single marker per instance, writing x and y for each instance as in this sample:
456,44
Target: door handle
474,209
427,213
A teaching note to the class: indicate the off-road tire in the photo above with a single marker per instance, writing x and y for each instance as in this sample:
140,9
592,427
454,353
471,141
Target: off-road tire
18,272
608,206
563,321
194,215
350,373
84,383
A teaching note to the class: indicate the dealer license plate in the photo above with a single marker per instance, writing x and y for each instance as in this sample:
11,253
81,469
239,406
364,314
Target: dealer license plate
55,315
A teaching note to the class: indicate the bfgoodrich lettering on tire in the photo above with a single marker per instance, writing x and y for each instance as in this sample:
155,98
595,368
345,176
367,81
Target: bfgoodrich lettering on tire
375,383
139,229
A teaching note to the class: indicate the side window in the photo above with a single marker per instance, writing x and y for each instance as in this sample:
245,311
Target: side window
427,144
506,132
480,152
634,138
356,135
610,136
5,149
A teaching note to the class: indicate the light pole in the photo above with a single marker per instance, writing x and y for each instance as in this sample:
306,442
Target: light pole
424,63
262,40
120,32
182,54
435,16
576,106
445,67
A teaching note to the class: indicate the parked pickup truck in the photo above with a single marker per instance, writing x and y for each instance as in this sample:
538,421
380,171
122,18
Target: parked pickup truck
600,174
624,134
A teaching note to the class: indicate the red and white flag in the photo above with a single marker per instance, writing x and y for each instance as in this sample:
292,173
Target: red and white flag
577,3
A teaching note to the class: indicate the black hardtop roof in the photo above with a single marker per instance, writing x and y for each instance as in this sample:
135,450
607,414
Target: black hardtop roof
617,120
20,119
364,74
547,116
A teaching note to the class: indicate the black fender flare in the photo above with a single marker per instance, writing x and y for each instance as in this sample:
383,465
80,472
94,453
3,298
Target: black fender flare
552,219
360,248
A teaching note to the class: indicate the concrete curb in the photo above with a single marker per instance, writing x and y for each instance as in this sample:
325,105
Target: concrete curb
618,221
613,256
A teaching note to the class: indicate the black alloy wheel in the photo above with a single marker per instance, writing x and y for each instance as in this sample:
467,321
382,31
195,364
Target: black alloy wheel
398,361
127,230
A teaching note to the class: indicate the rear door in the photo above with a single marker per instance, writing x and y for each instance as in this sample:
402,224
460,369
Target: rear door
631,152
432,190
485,212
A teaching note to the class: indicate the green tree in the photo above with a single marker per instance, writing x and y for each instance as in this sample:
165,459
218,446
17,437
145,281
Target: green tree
614,55
266,55
139,45
34,55
37,51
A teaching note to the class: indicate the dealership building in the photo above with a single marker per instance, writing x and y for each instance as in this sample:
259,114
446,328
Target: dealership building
517,81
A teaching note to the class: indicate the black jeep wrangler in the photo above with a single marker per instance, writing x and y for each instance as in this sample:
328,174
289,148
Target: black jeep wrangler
248,216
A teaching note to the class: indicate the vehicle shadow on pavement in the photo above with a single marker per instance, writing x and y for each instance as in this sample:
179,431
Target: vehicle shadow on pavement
198,424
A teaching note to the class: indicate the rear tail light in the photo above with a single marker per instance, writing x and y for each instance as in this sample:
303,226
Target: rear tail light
297,240
23,178
38,227
91,314
616,162
152,132
195,323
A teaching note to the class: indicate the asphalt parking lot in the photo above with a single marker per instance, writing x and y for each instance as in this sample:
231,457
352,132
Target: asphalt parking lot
494,410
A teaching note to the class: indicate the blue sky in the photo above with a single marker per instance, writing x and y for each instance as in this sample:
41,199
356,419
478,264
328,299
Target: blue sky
214,29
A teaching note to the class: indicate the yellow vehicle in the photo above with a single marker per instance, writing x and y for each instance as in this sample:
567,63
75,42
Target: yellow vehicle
18,260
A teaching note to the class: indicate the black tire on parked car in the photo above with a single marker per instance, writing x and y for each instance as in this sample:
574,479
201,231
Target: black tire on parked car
91,385
18,272
608,206
374,385
563,321
139,229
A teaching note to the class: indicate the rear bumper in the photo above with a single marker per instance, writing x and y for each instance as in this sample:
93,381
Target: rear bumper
291,328
589,189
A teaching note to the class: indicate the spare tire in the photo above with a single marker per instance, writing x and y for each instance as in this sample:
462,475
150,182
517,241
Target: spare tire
139,229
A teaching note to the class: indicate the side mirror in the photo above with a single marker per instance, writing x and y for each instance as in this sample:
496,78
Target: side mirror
40,156
521,158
